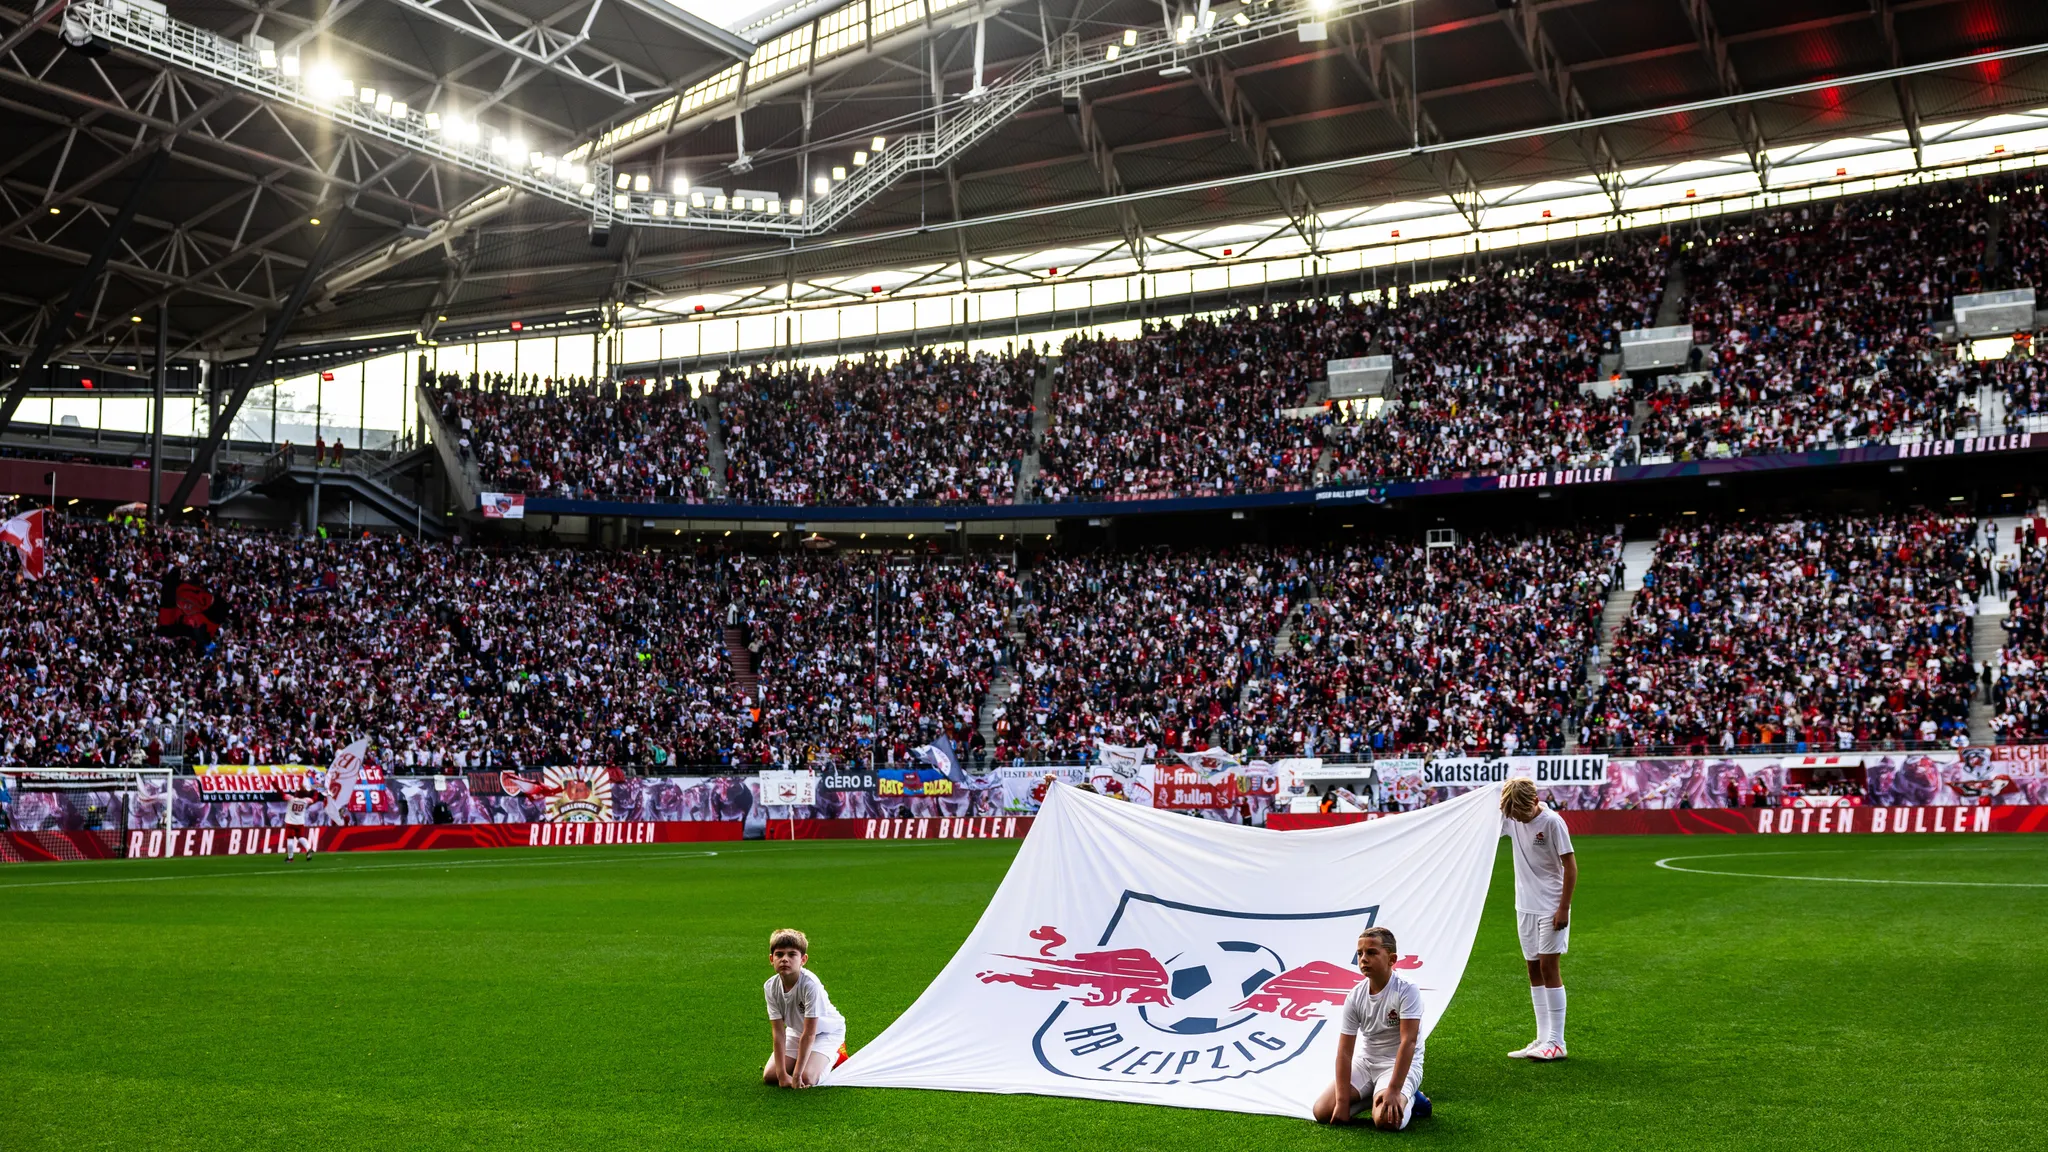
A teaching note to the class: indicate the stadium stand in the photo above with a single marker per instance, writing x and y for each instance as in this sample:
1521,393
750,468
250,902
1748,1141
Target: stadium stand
1817,631
622,441
929,428
1815,327
1479,648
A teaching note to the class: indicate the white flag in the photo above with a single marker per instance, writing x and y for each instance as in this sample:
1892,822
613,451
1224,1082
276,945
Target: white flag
343,776
1139,956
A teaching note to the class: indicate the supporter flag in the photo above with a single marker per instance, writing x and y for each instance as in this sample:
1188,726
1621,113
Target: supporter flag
343,776
25,532
939,754
190,611
1136,956
503,506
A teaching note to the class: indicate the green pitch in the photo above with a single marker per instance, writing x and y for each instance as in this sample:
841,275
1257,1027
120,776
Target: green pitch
610,998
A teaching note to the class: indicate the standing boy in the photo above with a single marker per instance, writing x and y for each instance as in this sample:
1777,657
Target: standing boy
1379,1045
1546,871
808,1033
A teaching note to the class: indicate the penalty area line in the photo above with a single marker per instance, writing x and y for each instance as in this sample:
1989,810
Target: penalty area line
638,858
1667,865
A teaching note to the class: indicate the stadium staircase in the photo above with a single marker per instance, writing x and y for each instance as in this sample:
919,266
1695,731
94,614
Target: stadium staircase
714,442
1041,418
745,676
465,483
1987,629
1636,557
1002,688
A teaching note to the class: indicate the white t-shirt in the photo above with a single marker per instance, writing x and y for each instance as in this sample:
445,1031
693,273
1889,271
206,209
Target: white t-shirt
1540,847
793,1006
1376,1021
295,808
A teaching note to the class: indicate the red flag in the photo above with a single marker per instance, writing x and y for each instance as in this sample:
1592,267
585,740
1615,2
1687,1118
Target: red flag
25,532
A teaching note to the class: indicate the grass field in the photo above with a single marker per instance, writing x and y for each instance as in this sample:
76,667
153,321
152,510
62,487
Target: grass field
610,998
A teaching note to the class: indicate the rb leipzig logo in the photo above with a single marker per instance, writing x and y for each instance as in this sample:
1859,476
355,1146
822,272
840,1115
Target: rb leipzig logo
1172,993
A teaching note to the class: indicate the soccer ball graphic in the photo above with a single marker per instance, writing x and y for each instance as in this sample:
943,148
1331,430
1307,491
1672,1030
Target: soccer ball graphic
1208,980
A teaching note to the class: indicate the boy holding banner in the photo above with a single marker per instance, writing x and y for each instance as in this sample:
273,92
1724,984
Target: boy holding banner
1379,1045
1546,872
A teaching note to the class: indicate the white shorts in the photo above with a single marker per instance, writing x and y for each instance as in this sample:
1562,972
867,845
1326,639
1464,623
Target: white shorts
1369,1080
1539,938
822,1043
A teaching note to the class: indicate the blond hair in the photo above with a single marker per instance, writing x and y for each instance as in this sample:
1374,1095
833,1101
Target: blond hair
788,938
1518,799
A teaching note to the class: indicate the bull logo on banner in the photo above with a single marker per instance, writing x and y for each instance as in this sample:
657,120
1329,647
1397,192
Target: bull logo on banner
1172,993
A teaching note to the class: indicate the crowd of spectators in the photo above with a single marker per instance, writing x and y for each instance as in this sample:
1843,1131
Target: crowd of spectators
823,696
1153,647
618,440
2017,675
1814,326
1494,370
1478,649
932,427
1825,631
1198,409
457,658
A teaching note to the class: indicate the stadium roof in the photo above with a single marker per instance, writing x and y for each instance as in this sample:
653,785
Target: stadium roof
1099,121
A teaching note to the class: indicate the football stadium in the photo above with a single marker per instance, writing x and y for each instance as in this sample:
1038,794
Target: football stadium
1133,569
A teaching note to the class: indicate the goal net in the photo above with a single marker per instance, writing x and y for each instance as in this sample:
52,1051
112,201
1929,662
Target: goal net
79,813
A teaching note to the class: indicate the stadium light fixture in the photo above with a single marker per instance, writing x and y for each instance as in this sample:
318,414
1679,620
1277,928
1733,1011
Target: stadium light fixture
878,143
56,211
433,121
718,202
290,65
641,183
659,207
624,182
400,109
1241,20
587,189
682,185
383,103
368,95
838,173
1112,52
821,185
696,199
621,201
267,58
796,207
1130,37
860,159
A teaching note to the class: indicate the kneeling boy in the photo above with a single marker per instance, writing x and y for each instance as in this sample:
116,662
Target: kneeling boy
1379,1045
808,1033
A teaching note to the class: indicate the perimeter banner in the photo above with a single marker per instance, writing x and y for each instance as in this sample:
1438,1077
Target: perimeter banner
156,842
1764,821
1118,962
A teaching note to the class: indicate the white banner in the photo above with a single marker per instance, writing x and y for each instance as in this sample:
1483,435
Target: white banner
784,787
1546,771
1139,956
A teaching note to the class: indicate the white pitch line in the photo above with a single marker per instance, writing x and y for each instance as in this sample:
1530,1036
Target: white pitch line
638,858
1668,866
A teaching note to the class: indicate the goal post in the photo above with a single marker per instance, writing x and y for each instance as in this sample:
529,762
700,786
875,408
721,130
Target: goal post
107,802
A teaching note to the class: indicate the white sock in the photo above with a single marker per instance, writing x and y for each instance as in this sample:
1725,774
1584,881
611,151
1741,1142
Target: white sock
1540,997
1556,1014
